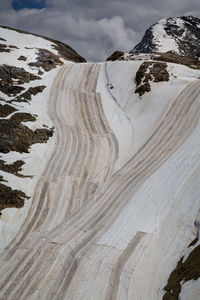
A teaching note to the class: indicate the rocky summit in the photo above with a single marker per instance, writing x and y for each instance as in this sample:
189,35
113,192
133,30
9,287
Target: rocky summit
179,35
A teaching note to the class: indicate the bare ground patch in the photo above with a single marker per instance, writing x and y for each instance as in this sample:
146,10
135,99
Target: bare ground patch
184,271
27,96
6,110
12,77
150,71
17,137
11,198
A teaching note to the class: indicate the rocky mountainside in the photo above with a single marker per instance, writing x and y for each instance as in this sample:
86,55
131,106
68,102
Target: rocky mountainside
64,51
27,62
172,35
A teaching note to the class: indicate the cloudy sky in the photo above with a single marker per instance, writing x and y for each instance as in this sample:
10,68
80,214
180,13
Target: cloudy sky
93,28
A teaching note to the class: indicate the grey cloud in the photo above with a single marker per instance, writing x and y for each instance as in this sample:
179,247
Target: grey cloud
5,5
94,39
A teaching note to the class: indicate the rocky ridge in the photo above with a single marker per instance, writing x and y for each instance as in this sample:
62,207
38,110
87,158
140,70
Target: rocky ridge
172,35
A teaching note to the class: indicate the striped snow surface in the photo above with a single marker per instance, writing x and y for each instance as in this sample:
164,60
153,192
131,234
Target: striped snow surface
104,224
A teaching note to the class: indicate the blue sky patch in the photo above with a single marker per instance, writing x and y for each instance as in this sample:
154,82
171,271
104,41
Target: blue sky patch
20,4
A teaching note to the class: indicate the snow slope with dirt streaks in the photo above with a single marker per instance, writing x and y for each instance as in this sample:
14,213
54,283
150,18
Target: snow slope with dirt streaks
115,192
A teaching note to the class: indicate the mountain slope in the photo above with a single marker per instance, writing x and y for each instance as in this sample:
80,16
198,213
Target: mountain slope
114,194
174,35
64,51
28,65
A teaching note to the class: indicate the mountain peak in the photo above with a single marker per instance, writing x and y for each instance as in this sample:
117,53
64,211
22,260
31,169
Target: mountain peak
172,35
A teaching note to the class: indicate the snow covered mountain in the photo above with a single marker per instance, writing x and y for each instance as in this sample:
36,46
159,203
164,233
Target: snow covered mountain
179,35
28,64
99,173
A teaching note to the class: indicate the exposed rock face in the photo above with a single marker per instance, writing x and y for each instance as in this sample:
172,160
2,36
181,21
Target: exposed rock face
4,48
26,96
10,90
46,60
6,110
18,137
10,76
190,62
172,35
115,56
13,47
22,58
185,271
147,44
67,52
11,198
14,168
150,71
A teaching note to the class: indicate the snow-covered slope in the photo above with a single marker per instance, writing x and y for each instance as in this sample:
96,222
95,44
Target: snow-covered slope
115,191
29,63
174,35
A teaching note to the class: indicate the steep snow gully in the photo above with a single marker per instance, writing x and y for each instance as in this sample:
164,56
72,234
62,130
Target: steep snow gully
93,232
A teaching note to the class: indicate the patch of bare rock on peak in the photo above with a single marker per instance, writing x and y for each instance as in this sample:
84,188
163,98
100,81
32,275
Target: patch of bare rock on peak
172,35
150,71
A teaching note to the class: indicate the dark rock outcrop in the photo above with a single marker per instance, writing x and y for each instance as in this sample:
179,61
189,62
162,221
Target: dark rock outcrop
11,77
157,72
147,45
9,89
18,137
13,47
22,58
10,197
6,110
9,74
26,96
46,60
4,48
115,56
185,271
190,62
13,168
